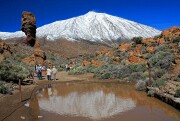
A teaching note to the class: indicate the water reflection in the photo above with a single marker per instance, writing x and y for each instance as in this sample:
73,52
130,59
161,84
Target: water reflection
95,105
100,101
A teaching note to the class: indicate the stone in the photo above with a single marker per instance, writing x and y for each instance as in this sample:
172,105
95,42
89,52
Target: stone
29,28
124,46
38,57
4,50
150,49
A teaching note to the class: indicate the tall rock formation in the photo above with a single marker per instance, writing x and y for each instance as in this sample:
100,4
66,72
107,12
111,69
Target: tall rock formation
29,28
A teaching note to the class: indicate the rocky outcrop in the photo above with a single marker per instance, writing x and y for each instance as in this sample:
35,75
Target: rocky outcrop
167,93
171,33
38,57
29,28
4,50
124,46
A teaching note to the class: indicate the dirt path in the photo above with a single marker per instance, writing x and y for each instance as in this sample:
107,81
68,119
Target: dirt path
10,103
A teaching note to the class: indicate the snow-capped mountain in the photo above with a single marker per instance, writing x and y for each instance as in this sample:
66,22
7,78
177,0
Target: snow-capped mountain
91,26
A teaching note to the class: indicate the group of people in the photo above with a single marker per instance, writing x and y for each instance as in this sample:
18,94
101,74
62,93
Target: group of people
49,72
70,66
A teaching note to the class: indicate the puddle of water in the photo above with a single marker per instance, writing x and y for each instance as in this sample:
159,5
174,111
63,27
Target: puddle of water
99,101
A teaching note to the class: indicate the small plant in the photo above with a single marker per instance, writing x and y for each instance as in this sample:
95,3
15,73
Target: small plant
147,55
177,78
141,85
161,59
6,87
1,50
11,72
157,36
137,40
177,94
158,73
105,76
3,89
176,40
159,83
151,93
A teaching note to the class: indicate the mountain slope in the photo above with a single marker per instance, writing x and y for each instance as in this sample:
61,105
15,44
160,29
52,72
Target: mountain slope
92,26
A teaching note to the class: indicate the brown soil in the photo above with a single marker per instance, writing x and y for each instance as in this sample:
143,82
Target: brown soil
9,104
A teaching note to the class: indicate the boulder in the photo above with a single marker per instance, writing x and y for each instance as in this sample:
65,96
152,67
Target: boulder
124,46
38,57
4,50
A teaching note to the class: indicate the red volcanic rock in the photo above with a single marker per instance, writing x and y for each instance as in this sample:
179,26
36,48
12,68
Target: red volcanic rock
171,33
134,60
29,28
4,50
161,40
149,41
124,46
96,63
38,57
85,63
150,49
137,50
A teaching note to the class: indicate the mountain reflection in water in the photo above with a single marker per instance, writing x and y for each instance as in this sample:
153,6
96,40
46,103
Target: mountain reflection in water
95,104
99,101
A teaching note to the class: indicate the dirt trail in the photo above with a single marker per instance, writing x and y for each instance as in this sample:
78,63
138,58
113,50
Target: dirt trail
10,103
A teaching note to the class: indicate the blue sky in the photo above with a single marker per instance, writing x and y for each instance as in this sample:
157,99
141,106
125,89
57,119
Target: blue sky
160,14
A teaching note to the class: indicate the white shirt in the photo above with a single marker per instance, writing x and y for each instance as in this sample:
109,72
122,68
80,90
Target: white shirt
49,71
54,70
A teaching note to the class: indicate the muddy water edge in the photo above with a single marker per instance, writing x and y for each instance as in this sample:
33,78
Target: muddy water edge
94,102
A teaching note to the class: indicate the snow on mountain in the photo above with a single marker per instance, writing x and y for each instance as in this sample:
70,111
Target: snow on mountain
10,35
91,26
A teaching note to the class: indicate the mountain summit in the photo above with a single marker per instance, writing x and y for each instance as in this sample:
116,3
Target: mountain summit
94,27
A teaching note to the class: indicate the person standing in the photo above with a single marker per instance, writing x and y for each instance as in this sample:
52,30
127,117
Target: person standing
39,72
67,65
54,71
49,73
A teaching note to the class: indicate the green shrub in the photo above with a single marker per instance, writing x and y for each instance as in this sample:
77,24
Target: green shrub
157,73
177,39
159,83
157,36
117,52
3,89
137,67
1,50
136,76
177,78
163,47
105,76
177,94
161,59
147,55
119,71
137,40
11,72
140,85
151,93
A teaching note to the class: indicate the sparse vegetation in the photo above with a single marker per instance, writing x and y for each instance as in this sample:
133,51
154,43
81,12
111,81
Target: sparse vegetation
11,72
6,87
176,40
141,85
137,40
177,94
158,83
161,59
